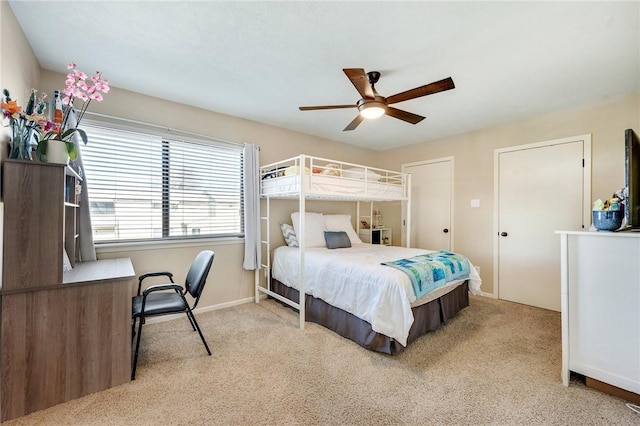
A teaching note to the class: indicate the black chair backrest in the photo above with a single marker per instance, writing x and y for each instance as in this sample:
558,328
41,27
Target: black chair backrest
197,275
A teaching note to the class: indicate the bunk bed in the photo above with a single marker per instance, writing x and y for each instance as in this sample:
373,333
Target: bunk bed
381,312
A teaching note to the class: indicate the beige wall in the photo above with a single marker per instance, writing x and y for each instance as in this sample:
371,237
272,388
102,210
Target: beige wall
19,69
473,175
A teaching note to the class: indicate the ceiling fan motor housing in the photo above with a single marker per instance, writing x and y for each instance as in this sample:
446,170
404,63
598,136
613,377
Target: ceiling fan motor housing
378,101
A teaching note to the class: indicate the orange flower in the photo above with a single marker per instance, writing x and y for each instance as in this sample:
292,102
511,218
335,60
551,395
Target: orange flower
11,106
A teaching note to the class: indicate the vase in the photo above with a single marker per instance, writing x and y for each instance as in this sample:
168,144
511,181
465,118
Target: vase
57,152
21,142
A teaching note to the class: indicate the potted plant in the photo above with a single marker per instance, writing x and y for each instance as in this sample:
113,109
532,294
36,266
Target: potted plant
54,139
25,124
58,148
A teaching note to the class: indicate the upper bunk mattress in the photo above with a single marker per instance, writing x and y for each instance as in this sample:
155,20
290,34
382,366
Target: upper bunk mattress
331,186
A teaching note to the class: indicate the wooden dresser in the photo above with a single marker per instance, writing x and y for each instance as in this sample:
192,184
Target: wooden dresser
63,335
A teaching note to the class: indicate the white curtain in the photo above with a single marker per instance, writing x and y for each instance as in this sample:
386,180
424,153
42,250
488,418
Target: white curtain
87,248
251,176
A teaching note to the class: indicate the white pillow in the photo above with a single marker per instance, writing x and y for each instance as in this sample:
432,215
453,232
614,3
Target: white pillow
359,173
341,222
289,235
295,170
313,229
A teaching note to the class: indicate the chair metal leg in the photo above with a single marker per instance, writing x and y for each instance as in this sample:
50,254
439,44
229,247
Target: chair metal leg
133,329
191,322
135,356
192,318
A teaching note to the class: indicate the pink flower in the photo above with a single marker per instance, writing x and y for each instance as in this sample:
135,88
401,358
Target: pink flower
103,87
49,125
77,88
80,74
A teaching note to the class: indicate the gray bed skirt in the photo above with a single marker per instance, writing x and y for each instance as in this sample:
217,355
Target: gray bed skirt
427,317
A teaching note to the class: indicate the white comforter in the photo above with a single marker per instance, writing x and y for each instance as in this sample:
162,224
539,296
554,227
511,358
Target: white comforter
352,279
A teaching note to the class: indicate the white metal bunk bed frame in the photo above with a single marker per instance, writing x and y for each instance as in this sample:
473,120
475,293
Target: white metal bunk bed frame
303,162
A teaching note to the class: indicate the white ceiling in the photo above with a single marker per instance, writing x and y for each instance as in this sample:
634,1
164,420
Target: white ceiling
261,60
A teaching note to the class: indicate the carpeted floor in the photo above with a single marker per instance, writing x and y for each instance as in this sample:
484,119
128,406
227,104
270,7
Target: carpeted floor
496,363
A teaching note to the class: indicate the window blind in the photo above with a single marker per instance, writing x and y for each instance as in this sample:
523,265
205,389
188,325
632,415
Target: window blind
146,187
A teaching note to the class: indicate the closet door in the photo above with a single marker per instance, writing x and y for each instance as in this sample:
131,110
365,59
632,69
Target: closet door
431,203
541,189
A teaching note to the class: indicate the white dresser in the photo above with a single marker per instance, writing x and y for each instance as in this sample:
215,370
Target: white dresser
600,304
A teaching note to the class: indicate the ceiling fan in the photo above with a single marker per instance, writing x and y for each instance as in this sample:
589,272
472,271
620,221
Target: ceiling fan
372,105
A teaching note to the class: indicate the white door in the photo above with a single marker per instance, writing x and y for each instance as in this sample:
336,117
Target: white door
431,209
541,189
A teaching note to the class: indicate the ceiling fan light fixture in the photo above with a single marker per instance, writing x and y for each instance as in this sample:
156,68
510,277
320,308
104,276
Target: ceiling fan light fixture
372,109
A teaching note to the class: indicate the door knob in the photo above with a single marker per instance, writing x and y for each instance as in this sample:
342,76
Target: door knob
503,234
445,230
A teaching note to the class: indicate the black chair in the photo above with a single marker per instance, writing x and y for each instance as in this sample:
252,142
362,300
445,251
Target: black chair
170,298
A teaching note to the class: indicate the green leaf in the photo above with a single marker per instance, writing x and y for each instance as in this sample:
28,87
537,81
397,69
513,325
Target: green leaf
83,135
31,104
67,133
50,134
72,150
41,107
42,147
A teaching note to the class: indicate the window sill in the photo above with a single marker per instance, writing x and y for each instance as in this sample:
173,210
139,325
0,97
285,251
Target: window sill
154,245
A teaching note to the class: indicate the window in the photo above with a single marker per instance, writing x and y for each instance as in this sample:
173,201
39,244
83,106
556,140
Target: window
145,187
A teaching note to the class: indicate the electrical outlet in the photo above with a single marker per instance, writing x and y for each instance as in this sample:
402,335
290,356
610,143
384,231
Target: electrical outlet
475,203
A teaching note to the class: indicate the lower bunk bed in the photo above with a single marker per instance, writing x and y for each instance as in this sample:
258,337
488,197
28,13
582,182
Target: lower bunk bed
426,317
350,292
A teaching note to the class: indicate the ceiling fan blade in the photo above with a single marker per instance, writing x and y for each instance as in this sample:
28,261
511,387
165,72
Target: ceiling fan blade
361,82
311,108
428,89
354,123
409,117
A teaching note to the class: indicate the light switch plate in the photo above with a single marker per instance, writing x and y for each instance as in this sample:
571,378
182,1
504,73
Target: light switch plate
475,203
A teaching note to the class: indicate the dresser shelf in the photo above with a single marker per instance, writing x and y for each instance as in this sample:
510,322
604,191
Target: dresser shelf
383,236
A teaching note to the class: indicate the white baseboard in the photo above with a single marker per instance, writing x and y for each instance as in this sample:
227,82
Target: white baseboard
162,318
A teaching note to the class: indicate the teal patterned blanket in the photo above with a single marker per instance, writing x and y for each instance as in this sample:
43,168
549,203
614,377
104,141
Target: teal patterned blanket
430,271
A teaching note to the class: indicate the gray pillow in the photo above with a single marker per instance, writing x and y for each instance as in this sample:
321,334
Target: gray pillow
338,239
